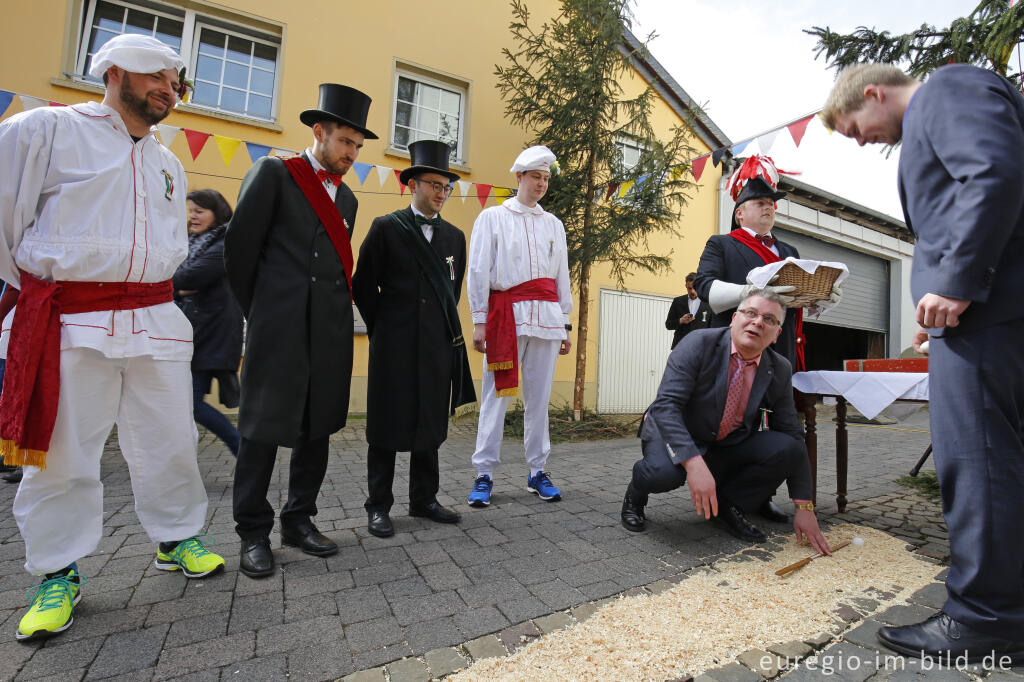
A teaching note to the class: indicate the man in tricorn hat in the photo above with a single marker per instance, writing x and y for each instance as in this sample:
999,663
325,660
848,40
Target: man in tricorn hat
289,262
407,287
92,218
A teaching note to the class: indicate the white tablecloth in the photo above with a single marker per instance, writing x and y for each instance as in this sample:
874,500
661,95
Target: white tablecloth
869,392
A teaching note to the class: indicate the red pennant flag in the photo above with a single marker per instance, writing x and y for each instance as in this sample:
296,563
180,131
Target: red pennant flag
398,176
698,167
57,104
482,192
798,129
196,140
611,190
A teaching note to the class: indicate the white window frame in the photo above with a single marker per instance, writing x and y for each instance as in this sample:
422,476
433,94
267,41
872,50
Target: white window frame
192,21
462,90
626,141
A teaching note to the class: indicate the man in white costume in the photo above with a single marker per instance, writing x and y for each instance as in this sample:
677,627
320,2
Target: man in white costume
92,216
518,287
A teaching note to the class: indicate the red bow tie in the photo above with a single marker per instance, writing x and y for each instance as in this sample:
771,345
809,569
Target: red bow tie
324,176
766,240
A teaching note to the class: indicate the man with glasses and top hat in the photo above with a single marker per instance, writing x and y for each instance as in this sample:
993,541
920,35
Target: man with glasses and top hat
703,427
519,296
407,287
289,262
92,217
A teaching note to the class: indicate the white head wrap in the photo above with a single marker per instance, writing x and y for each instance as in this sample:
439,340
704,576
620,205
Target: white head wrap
535,158
134,53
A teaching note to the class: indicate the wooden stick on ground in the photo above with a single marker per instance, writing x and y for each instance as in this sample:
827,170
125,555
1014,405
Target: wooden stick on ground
803,562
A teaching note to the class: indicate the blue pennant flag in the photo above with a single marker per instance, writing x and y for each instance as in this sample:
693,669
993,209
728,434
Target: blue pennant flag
256,151
716,156
738,148
362,170
5,100
641,180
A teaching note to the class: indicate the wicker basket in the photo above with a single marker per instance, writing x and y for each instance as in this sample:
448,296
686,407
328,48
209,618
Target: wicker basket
810,287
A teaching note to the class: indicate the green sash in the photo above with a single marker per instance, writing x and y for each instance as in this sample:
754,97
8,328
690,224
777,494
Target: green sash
462,390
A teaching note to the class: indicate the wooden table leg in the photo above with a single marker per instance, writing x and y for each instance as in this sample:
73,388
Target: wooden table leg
805,404
842,452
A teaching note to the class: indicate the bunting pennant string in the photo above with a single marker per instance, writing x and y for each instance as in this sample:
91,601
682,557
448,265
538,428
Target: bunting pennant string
167,133
362,171
256,151
228,147
5,100
196,141
502,193
625,187
611,190
382,174
29,102
464,187
738,148
482,192
798,128
716,156
398,176
697,166
766,141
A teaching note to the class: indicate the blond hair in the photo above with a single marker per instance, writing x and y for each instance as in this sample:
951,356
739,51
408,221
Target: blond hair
848,93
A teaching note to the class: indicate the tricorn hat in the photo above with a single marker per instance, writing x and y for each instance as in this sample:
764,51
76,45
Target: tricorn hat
341,104
428,156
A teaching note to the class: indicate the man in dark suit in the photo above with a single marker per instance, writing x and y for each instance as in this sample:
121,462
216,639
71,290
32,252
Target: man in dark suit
702,428
961,183
289,261
407,287
687,313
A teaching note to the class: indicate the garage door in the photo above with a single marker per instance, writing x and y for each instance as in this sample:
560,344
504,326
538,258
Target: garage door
633,346
865,303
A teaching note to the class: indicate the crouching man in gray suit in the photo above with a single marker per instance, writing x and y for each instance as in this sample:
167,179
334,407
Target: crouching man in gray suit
702,429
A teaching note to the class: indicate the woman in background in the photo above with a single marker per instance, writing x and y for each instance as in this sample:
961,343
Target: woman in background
202,292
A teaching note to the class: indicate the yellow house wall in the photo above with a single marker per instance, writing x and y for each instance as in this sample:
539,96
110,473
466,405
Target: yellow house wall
358,44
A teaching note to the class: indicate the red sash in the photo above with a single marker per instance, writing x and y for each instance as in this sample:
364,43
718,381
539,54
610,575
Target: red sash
502,347
325,209
768,256
28,406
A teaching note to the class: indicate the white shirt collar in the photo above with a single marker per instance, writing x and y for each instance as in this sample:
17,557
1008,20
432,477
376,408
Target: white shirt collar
752,233
513,204
416,211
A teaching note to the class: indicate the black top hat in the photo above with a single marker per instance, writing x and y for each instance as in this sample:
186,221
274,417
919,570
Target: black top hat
755,188
341,104
428,156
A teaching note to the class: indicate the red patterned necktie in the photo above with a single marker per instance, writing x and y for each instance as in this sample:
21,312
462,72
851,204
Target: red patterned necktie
324,176
766,240
735,399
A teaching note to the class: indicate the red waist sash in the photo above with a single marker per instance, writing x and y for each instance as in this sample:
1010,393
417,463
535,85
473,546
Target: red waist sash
502,347
28,406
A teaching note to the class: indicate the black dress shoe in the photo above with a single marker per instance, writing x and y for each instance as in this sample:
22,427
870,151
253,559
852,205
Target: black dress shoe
633,511
14,475
256,559
771,511
736,523
941,635
380,524
307,538
434,512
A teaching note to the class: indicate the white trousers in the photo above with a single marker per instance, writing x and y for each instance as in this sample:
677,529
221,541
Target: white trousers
537,358
59,509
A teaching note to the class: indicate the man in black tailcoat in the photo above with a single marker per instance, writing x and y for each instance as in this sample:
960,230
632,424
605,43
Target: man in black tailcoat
289,260
407,287
687,313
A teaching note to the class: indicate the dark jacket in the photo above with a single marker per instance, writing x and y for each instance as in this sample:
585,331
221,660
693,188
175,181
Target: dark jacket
212,310
681,306
961,182
688,409
409,384
728,259
291,286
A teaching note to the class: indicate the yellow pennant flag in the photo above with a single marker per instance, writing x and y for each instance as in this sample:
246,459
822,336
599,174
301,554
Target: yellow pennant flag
227,146
502,193
625,187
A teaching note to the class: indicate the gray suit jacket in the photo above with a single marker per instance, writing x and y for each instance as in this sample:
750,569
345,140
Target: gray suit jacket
691,400
961,182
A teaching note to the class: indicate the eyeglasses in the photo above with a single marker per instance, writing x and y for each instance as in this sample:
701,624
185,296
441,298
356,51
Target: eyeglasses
436,186
751,314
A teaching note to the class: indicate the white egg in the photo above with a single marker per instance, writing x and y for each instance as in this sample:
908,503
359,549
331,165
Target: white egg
858,542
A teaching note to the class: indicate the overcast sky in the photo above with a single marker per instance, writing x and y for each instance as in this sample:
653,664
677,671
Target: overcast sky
753,68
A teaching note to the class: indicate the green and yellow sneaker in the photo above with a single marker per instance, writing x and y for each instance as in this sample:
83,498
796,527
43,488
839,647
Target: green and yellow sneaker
53,601
194,560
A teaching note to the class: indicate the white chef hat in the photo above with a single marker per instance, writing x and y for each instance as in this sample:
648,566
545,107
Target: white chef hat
535,158
134,53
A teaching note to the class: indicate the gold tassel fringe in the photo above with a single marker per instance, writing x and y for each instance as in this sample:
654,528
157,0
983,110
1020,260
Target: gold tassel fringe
514,391
12,455
495,366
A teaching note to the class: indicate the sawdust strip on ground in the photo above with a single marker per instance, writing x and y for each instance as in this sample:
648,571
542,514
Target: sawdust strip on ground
710,618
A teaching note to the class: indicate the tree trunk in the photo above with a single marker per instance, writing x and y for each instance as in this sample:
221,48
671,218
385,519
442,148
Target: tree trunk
581,344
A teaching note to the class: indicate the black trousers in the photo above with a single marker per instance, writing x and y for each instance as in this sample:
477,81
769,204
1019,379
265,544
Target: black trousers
254,515
746,474
424,478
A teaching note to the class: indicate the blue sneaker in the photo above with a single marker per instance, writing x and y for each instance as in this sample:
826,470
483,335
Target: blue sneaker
480,495
543,487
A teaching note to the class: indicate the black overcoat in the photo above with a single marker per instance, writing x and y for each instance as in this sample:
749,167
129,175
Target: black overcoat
728,259
291,286
409,384
212,310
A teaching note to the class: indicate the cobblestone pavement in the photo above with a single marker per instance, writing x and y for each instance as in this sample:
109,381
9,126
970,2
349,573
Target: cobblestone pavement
433,597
